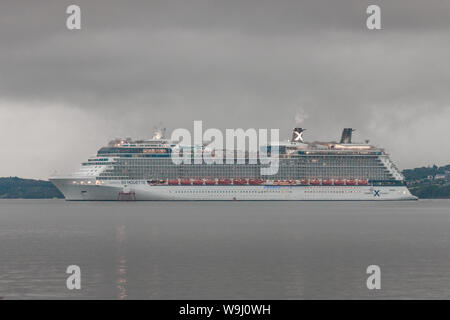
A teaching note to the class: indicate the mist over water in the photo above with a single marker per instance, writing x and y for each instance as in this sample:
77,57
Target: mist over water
224,250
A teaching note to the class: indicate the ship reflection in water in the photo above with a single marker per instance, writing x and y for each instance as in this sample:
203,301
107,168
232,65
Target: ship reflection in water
121,272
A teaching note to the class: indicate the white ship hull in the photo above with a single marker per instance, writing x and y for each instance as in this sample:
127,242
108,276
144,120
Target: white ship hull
140,190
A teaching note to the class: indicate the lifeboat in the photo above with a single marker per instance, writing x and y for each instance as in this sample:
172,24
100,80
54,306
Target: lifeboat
314,182
173,182
197,182
363,182
304,181
239,181
281,182
224,181
255,181
210,182
350,182
292,182
327,182
339,182
185,182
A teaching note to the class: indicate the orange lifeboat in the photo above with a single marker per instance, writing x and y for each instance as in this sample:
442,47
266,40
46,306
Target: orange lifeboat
255,181
363,182
304,181
327,182
314,182
173,182
292,182
185,182
339,182
350,182
224,181
239,181
197,182
210,182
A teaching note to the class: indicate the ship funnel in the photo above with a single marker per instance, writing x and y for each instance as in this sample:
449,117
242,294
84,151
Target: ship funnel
347,135
297,135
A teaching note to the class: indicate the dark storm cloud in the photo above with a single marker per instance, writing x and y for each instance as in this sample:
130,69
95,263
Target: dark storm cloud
231,64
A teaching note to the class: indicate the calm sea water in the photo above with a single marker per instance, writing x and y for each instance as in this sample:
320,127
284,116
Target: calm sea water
224,250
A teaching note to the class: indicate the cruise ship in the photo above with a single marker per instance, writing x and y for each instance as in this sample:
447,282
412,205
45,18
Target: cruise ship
134,170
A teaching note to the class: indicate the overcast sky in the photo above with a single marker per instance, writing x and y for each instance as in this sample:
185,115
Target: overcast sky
232,64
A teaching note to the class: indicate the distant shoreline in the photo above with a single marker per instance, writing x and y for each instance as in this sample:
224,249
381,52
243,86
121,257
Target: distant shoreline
18,188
